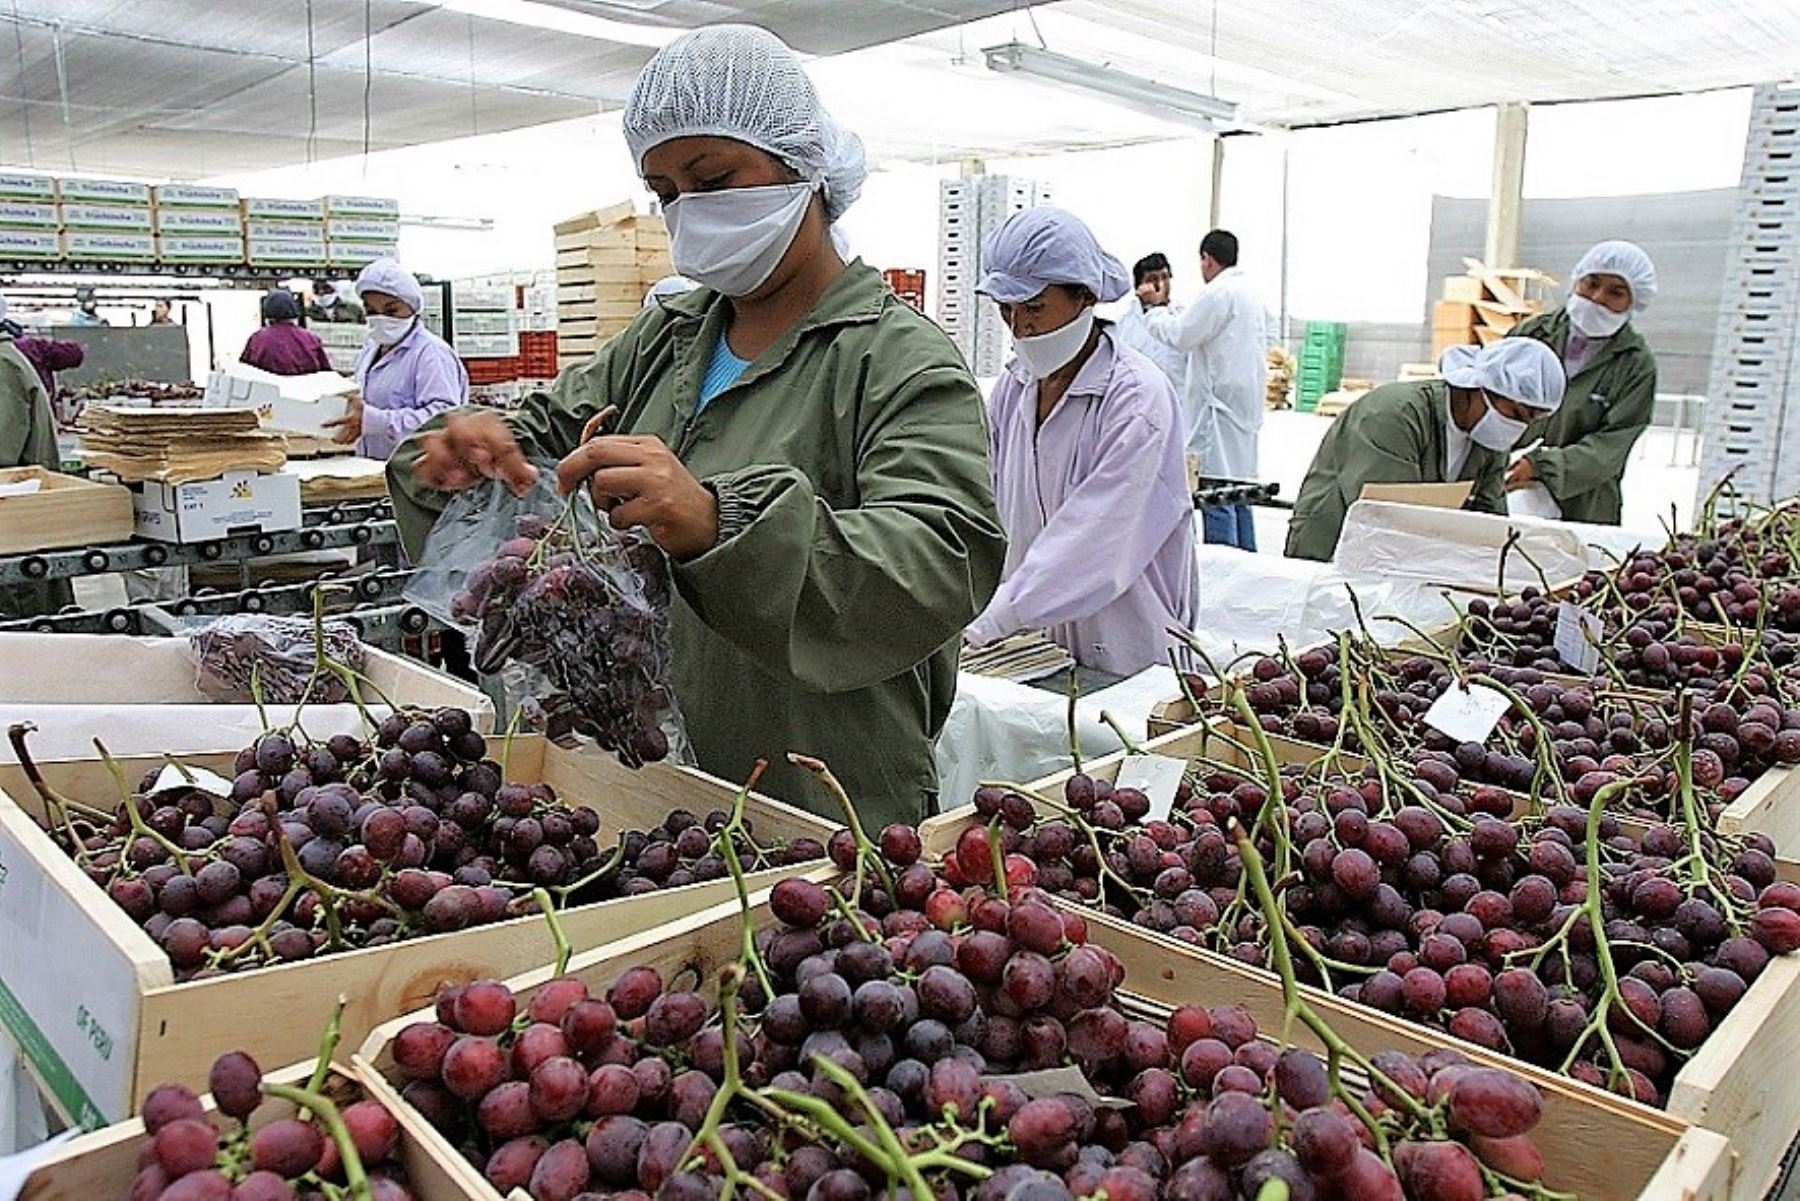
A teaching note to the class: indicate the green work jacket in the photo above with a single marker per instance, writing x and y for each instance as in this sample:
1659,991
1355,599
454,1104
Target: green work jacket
1393,435
1605,407
857,532
27,439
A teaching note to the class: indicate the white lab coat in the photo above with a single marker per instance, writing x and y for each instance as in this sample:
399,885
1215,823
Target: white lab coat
1226,336
1131,330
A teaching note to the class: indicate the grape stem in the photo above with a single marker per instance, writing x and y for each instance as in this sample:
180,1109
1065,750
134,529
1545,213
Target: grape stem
136,819
322,1107
708,1136
726,840
865,850
1074,728
557,934
56,806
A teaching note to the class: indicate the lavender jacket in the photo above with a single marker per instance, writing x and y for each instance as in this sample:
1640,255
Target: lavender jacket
418,378
1099,521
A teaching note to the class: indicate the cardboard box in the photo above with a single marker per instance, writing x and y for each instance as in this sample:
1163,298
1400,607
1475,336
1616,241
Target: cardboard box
272,209
186,249
295,404
1465,289
362,206
30,244
237,502
188,195
265,230
112,218
109,246
357,254
26,214
362,229
1453,314
285,252
42,510
15,185
103,191
217,223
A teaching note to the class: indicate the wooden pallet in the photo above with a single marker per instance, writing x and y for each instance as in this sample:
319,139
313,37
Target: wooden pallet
112,1023
1593,1144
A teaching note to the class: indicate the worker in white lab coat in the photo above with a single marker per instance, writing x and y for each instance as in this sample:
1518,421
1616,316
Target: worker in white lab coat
1153,279
1224,333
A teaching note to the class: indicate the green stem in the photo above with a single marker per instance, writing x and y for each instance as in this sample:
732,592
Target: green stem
321,1106
136,819
560,936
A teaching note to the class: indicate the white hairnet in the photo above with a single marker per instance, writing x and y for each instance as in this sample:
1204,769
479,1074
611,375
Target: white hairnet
1521,369
1626,260
1044,246
387,275
741,82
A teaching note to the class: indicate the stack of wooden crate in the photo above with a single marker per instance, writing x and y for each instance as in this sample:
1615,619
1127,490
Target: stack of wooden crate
1484,303
606,261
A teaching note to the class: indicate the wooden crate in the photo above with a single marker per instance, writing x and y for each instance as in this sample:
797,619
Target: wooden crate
1730,1086
110,1023
1593,1144
65,511
99,1166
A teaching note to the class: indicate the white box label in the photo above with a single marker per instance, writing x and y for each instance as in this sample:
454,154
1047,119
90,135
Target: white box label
1578,637
1157,777
1467,714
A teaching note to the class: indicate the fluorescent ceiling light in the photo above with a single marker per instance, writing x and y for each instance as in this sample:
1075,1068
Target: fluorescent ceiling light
1134,92
561,20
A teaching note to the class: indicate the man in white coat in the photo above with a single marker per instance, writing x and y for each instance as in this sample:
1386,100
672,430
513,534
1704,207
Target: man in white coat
1224,333
1153,279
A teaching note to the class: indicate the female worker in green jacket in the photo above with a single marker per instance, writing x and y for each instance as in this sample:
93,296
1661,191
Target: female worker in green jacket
1612,385
1439,431
809,451
27,439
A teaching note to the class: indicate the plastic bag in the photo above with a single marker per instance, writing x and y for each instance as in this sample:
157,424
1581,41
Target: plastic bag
1533,500
281,652
545,583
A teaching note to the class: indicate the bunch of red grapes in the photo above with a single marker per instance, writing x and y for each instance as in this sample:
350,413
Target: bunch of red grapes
189,1157
412,835
587,606
1738,579
1439,925
914,1011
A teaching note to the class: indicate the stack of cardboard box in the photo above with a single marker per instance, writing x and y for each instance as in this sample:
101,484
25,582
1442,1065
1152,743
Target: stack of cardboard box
1484,303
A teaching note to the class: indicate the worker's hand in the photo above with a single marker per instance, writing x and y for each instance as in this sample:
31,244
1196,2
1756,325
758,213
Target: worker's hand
1520,476
639,481
1152,293
472,447
349,426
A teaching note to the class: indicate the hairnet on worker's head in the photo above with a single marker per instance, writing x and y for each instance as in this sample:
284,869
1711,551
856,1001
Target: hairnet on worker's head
1626,260
389,277
1044,246
743,83
279,304
1521,369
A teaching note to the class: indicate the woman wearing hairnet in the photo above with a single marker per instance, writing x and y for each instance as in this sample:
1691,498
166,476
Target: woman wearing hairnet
1612,385
1090,473
808,450
1437,431
405,375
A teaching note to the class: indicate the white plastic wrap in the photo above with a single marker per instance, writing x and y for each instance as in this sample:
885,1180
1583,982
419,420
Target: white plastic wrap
1533,500
1459,549
1002,731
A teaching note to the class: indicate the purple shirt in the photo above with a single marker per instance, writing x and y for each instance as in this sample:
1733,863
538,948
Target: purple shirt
283,348
50,355
1099,521
418,378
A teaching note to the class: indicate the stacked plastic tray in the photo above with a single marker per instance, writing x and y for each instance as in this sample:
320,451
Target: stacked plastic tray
969,211
1321,363
1753,397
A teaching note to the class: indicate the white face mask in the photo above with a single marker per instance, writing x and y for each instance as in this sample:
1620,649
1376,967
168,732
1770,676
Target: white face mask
388,330
1045,354
1594,320
1494,431
329,300
732,241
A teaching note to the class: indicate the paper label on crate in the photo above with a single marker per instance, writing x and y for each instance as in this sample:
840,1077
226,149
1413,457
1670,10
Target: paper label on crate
361,229
1054,1082
29,215
92,245
1467,714
1578,637
75,1022
29,187
29,243
188,195
182,775
21,487
283,231
197,249
284,210
106,217
1157,777
105,191
362,206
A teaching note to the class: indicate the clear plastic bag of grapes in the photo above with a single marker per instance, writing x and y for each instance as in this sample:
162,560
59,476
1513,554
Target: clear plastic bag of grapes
572,614
280,654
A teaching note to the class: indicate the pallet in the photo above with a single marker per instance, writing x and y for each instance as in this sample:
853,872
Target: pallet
1732,1086
110,1023
1593,1144
65,511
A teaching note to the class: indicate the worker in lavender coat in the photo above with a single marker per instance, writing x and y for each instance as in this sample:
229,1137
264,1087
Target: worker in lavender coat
1087,444
406,375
